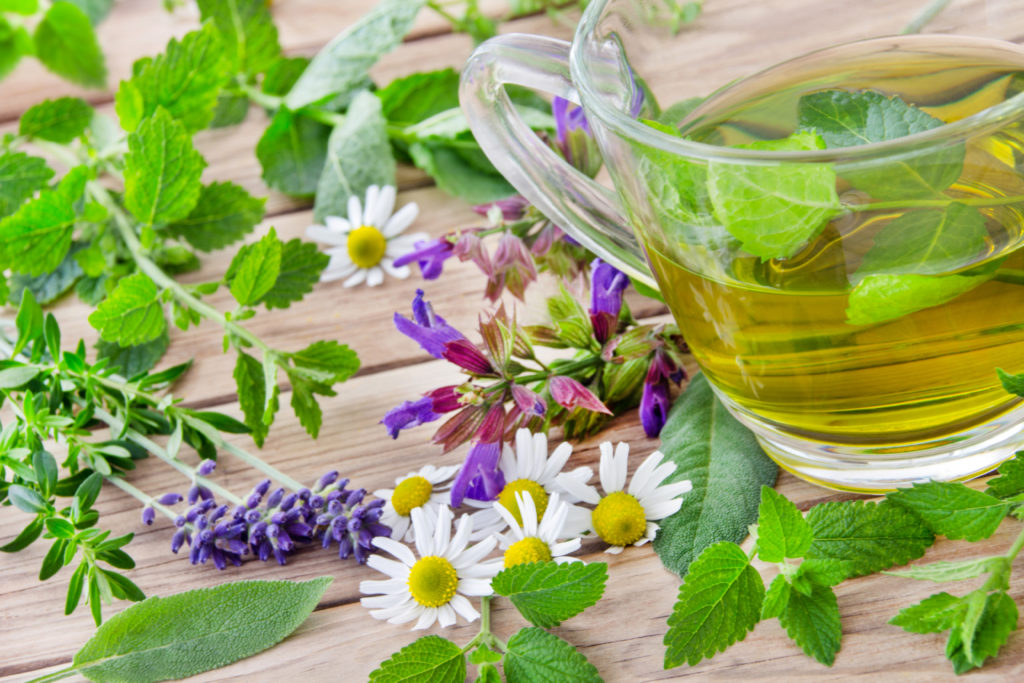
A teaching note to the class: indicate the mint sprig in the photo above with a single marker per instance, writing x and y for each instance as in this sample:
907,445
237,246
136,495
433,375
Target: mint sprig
547,594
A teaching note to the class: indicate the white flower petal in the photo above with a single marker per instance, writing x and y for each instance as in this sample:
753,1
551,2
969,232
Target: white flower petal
528,511
461,539
385,204
413,611
423,530
642,475
474,587
605,469
613,549
355,212
400,273
578,489
397,549
663,510
320,233
427,619
402,219
337,224
509,519
465,609
556,461
398,611
442,536
565,547
355,279
475,553
395,570
332,273
390,587
445,616
371,205
374,277
381,601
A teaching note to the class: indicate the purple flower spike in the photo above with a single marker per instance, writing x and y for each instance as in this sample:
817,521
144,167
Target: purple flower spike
148,515
429,255
409,414
482,463
654,406
467,356
570,394
608,284
575,139
568,118
426,328
206,468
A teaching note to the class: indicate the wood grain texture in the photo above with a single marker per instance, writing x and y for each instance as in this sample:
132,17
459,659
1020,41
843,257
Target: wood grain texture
622,635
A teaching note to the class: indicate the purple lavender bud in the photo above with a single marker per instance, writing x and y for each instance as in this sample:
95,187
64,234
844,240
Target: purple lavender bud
467,356
262,488
289,501
284,541
148,515
170,499
316,502
218,559
281,556
325,539
326,480
361,554
264,551
279,518
569,393
253,516
355,524
236,546
324,519
374,504
218,513
177,540
202,522
193,553
654,406
337,494
379,529
426,328
205,493
335,507
221,530
192,513
275,498
204,552
345,547
365,538
193,495
206,468
253,501
235,559
429,255
240,512
355,497
372,515
409,414
304,493
338,527
300,529
482,457
206,535
273,530
207,505
179,521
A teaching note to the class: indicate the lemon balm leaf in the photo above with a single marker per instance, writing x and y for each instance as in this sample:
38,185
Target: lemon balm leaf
292,153
547,593
66,44
1010,481
812,621
934,614
880,298
719,602
972,642
952,509
536,655
252,398
774,210
60,120
132,314
21,176
781,529
254,269
429,659
35,239
224,213
726,467
301,265
247,31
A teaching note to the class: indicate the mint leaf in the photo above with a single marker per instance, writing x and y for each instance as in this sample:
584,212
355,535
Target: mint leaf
776,598
488,673
845,119
484,655
198,630
223,214
341,66
15,43
416,97
927,242
252,395
96,10
254,269
547,593
812,621
247,31
942,571
726,467
133,360
19,6
457,176
161,171
36,238
358,155
185,80
1010,481
870,536
774,210
325,362
51,285
970,644
934,614
427,660
878,298
952,509
301,265
280,77
66,45
132,313
782,530
304,401
292,152
536,655
230,110
819,572
61,120
719,602
20,177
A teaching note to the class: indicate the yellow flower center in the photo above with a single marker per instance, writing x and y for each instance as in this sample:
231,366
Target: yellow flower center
432,581
411,493
366,246
530,549
507,497
619,519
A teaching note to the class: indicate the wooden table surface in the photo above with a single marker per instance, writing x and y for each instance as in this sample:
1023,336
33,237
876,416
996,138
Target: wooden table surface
622,635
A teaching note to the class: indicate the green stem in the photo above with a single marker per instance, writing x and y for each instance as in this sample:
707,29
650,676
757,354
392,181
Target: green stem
1014,277
56,675
1015,549
925,16
933,203
142,497
274,102
566,370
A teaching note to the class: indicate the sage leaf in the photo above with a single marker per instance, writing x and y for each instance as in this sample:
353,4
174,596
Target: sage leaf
49,286
96,10
727,468
132,360
292,153
195,631
456,176
358,156
431,658
536,655
66,44
341,66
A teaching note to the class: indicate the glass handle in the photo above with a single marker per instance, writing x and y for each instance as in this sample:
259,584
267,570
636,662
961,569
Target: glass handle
589,212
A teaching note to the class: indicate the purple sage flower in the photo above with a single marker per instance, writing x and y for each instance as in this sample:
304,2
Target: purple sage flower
570,394
607,285
429,256
480,473
409,414
512,208
574,138
426,328
655,402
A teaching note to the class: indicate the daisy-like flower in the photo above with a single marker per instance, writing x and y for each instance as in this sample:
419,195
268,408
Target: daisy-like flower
365,245
529,470
425,489
528,541
435,586
629,517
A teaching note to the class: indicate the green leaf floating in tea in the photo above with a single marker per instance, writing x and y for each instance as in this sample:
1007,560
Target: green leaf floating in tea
774,210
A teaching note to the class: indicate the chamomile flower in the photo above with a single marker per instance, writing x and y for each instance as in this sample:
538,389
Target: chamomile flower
365,245
530,470
425,489
528,541
435,586
628,517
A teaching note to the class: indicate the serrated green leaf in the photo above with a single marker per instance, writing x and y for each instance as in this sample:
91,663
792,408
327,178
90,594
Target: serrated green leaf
162,170
781,529
812,621
821,572
431,659
774,210
132,360
456,176
230,110
845,119
61,120
185,81
51,285
343,63
21,176
280,77
941,571
36,237
254,269
547,593
1013,384
247,31
325,362
985,637
15,43
776,597
1010,481
358,156
132,314
304,402
726,468
196,631
484,655
488,673
536,655
292,152
934,614
416,97
301,265
871,536
66,44
719,602
252,397
952,509
878,298
223,214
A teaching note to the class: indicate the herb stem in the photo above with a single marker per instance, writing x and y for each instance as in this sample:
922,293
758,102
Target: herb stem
275,102
56,675
142,497
567,369
1015,549
925,16
937,203
1014,277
